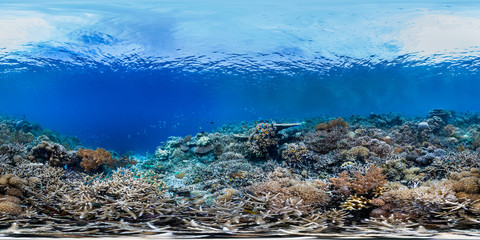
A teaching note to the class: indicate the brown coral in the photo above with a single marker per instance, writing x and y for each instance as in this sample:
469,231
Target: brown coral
92,160
325,141
10,208
335,123
14,192
422,201
362,183
284,191
371,180
342,183
358,152
9,203
295,153
55,154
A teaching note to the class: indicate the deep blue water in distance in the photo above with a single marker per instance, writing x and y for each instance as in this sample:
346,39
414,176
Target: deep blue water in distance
125,76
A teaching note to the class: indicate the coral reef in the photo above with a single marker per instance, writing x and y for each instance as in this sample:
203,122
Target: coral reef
359,173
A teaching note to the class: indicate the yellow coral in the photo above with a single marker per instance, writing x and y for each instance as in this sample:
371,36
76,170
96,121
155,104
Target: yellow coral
10,208
358,152
354,203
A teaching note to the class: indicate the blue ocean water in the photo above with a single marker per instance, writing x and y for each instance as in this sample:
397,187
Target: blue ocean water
125,75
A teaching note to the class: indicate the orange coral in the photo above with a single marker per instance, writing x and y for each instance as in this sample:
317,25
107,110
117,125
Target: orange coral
92,160
335,123
362,184
365,184
342,183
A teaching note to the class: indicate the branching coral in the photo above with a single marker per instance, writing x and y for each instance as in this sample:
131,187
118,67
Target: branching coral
11,153
368,182
324,141
363,183
332,124
423,201
283,191
229,172
355,203
8,134
122,195
92,160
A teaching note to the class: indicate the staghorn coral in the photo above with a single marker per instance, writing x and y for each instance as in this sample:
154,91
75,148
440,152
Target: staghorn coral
452,162
282,191
226,156
421,201
229,173
228,194
122,195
